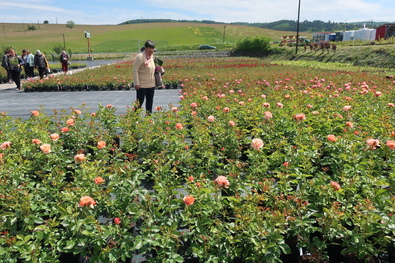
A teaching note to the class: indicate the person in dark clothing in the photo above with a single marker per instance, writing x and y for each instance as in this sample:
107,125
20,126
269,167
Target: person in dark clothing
41,63
15,64
4,64
64,60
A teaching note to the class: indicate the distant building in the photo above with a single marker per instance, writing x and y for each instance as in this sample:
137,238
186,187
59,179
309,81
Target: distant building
364,34
321,36
385,31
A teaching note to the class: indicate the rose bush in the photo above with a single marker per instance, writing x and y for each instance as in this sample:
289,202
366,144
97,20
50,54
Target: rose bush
258,163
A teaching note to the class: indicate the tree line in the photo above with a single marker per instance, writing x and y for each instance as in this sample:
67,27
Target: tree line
281,25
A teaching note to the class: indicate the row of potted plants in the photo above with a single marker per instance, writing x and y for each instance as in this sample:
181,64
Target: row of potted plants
260,163
108,77
55,68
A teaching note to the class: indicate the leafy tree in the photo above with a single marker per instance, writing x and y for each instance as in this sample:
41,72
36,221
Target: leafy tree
46,22
32,28
5,48
58,49
70,24
254,44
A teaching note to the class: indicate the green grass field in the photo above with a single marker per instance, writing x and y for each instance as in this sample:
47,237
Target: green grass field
128,38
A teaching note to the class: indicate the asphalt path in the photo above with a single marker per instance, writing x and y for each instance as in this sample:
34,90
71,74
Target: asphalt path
19,104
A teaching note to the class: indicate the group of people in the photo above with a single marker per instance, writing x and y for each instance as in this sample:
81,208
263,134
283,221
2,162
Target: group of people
146,73
13,64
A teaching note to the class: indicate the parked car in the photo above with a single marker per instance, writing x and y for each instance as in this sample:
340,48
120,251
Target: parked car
206,47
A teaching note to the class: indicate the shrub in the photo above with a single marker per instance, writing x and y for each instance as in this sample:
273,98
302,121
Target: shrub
254,44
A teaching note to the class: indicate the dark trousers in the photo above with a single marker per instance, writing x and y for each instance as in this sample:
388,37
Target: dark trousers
8,75
41,72
148,94
29,71
16,77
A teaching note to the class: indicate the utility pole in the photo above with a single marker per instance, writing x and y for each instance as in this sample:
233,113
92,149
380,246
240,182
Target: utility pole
5,35
297,30
223,40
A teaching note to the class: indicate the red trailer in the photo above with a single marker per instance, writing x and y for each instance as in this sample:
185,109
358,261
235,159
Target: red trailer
385,31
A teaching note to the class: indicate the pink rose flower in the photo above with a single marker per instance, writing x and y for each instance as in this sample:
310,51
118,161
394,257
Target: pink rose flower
257,143
222,181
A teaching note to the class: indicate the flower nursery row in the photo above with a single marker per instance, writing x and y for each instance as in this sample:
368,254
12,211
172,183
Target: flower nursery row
55,68
262,162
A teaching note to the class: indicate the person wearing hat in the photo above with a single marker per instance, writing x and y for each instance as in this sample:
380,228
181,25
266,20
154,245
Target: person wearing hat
143,76
41,63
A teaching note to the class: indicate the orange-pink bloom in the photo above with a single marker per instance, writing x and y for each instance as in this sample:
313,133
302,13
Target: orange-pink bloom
226,109
54,136
70,122
300,116
189,200
87,201
79,157
99,180
101,144
65,129
266,105
78,112
35,113
117,220
45,148
347,108
179,126
349,124
390,144
257,143
331,138
211,118
193,105
267,115
222,181
5,145
372,143
36,141
335,186
232,123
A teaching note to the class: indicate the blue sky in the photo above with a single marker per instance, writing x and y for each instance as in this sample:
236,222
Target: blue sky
101,12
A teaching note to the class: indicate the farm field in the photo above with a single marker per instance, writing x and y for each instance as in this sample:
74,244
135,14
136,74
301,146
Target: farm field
129,38
262,162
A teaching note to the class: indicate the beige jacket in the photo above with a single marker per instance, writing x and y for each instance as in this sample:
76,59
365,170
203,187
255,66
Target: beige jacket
143,71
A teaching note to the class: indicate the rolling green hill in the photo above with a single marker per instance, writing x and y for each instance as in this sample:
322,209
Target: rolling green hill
127,38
